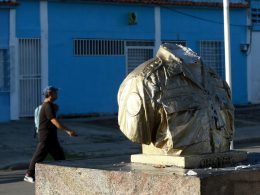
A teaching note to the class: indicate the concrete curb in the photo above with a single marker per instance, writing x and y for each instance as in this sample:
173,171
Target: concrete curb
247,140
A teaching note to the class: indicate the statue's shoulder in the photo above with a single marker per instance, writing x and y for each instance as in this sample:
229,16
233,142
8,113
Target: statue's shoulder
212,73
145,69
218,80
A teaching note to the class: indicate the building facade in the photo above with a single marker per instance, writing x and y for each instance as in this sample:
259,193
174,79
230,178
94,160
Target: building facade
253,58
5,60
86,48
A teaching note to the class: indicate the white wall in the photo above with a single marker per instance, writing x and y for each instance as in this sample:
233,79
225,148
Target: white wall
254,69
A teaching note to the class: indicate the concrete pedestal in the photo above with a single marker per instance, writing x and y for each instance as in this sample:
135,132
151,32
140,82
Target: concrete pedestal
100,177
192,161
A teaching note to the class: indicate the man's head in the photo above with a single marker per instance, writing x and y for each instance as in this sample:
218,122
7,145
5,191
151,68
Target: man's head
51,92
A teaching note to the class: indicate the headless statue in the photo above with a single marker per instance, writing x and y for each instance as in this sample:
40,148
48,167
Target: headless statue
176,104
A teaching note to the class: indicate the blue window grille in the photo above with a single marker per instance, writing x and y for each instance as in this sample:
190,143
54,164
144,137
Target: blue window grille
255,15
95,47
212,54
4,71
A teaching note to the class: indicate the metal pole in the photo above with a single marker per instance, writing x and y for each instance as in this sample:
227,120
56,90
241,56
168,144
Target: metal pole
227,42
227,49
157,18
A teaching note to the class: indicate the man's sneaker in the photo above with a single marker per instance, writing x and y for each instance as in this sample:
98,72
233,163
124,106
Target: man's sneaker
28,179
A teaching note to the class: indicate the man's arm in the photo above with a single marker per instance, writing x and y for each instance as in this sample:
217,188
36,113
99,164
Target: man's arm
60,126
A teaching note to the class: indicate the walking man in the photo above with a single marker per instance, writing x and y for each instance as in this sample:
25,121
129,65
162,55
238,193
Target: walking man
48,140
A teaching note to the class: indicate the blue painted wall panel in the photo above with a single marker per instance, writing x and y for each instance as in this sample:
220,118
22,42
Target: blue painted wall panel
88,84
238,35
4,107
28,19
4,28
4,44
95,89
191,25
101,21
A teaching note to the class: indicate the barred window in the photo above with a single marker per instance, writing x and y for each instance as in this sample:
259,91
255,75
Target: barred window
212,54
92,47
139,43
255,15
4,71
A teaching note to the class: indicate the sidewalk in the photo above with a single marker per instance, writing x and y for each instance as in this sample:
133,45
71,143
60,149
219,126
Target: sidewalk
99,137
247,124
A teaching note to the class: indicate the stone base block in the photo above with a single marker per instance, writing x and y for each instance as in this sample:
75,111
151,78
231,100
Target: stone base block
83,177
192,161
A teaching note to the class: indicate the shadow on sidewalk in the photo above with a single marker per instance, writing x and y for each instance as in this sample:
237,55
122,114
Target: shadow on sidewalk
7,178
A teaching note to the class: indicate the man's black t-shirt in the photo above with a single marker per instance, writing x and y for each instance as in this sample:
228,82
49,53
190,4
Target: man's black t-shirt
47,131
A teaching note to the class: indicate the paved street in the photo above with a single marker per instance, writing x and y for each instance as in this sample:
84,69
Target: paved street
98,137
11,183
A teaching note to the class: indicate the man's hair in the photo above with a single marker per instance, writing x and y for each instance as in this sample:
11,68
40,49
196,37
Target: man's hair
48,90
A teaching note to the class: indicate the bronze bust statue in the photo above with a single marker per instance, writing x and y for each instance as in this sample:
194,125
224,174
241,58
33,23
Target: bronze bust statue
176,104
